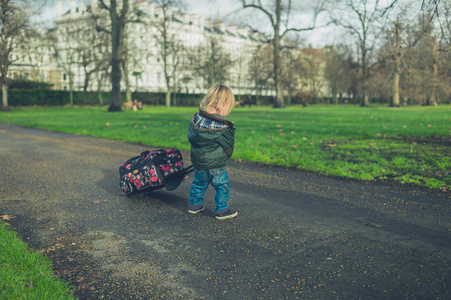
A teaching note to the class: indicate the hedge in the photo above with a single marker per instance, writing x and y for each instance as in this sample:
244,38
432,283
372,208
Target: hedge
42,97
30,97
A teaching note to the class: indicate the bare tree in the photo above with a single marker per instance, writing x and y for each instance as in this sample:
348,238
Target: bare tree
311,66
363,25
397,66
436,10
211,61
94,50
119,13
434,14
261,68
425,64
14,23
335,72
279,17
170,47
98,56
71,49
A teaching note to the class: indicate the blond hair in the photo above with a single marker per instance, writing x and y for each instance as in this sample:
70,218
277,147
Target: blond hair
218,97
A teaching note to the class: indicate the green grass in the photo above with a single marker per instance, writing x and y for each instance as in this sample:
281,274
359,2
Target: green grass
25,274
409,144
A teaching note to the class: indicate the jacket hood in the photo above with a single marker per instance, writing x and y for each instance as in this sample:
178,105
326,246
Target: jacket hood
214,117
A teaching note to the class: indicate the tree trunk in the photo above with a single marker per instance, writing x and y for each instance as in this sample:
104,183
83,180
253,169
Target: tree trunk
115,98
99,93
128,92
71,97
168,98
117,32
366,100
432,99
395,90
396,72
86,82
276,44
99,88
71,88
5,97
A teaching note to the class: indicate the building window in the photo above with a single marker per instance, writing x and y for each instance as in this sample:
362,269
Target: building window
64,77
26,76
43,77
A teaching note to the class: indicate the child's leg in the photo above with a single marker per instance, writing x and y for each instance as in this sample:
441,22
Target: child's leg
198,189
220,182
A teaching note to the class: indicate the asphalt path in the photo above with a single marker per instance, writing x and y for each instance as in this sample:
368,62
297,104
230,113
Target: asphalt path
298,235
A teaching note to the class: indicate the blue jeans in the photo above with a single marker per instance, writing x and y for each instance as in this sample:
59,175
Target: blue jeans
218,179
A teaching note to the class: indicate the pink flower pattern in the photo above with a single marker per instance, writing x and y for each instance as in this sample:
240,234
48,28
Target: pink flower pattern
145,175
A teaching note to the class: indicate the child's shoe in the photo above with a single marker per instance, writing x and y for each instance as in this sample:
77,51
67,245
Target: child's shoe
197,210
226,215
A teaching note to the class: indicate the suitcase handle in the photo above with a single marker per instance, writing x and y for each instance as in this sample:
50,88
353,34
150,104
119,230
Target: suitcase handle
183,172
189,169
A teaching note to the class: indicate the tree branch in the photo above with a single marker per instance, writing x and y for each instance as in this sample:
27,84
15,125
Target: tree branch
261,8
102,29
104,5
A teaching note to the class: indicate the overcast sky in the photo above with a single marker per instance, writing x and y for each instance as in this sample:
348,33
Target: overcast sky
230,13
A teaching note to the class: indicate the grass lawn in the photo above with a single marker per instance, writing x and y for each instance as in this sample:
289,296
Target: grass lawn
409,144
25,274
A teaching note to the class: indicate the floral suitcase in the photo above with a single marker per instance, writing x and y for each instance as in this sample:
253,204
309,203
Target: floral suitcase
152,170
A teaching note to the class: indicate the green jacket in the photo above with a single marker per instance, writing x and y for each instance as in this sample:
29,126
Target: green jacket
211,147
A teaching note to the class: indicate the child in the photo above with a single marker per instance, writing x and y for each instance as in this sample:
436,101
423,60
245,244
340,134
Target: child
212,141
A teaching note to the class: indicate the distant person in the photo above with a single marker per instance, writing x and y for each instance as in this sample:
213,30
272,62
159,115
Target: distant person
274,100
135,105
249,100
211,137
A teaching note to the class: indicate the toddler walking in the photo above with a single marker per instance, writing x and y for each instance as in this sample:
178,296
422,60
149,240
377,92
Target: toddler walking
211,137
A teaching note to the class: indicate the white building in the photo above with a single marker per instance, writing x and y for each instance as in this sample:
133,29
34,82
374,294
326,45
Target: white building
82,48
77,54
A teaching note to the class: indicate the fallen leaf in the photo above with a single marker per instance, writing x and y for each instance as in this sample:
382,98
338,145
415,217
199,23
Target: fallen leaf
96,201
6,217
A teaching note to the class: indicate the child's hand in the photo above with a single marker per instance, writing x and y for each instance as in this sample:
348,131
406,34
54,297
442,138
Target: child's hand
186,177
